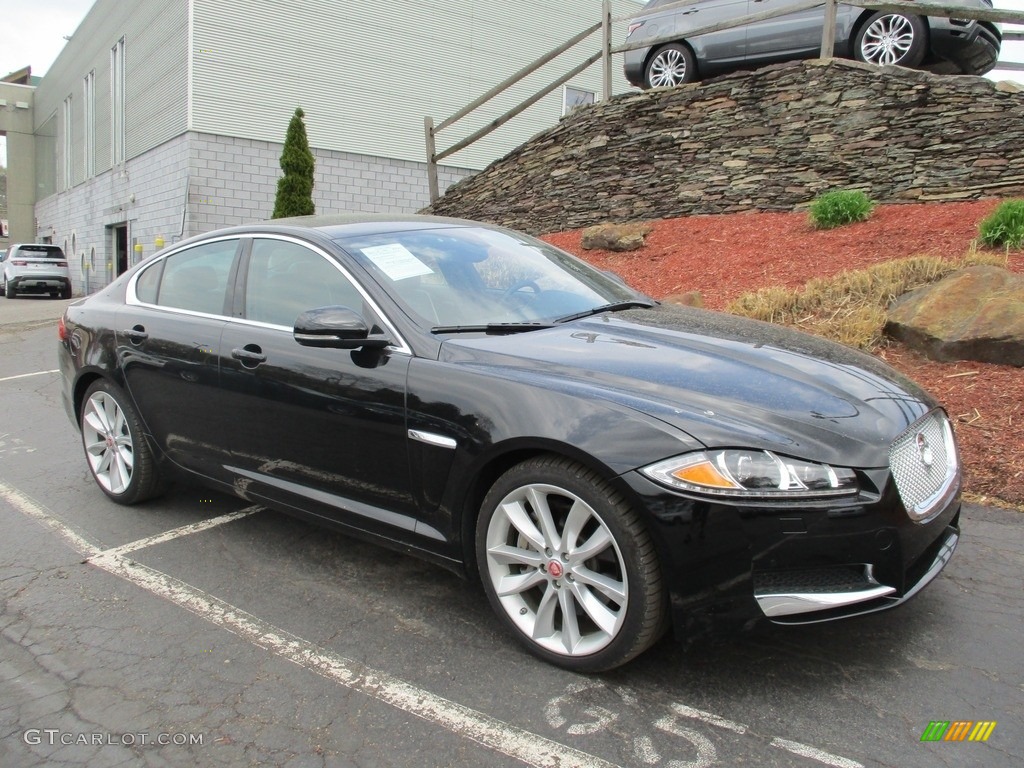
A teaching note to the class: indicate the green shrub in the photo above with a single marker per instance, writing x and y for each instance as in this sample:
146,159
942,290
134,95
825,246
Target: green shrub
1005,226
295,188
843,206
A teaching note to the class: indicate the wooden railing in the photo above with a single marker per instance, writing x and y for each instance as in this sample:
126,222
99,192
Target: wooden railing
607,50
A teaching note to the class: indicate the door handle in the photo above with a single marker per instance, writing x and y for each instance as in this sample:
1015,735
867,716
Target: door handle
250,354
136,335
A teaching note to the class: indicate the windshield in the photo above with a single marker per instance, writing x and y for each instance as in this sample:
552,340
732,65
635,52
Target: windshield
474,276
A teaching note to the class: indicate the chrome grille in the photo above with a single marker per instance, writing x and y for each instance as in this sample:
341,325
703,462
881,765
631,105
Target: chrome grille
925,466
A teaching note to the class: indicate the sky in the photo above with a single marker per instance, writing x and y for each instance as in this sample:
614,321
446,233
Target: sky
32,33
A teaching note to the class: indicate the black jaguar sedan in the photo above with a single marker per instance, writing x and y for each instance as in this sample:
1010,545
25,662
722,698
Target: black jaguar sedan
606,466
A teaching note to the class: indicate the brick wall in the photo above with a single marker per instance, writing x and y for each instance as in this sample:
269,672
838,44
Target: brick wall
234,181
769,140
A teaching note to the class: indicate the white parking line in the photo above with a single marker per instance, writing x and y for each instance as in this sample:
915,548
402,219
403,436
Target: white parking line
483,729
26,375
814,754
31,508
177,533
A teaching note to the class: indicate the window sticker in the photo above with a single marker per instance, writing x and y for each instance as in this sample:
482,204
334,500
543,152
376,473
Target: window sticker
396,261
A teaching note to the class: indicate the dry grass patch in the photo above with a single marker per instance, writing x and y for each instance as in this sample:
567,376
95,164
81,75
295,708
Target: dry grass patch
851,307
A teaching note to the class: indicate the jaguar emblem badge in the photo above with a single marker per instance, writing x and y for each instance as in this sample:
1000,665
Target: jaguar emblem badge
925,450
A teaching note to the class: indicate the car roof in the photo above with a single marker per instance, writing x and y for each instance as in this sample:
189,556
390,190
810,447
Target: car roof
338,226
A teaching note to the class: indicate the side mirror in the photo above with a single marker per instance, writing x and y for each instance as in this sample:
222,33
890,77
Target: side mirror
337,328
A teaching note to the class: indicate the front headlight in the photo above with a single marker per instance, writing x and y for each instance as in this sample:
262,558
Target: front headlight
752,474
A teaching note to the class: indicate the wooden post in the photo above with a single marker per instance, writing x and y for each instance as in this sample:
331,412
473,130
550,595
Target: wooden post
828,32
428,133
606,49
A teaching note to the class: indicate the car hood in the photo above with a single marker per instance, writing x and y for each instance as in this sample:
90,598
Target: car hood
725,381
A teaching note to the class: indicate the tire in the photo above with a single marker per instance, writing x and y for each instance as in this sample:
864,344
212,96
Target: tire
65,292
116,450
892,38
8,290
587,601
670,66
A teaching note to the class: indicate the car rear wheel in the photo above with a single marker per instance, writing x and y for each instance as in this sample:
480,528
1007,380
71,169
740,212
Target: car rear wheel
671,65
116,450
892,38
65,292
8,290
568,566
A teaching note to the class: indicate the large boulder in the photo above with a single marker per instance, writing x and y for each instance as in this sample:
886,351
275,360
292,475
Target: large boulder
974,314
616,237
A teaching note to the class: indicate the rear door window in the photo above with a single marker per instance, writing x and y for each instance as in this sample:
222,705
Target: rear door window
195,279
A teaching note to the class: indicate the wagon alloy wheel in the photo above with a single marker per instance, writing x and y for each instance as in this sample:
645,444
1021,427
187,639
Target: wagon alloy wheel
569,566
892,38
672,65
118,455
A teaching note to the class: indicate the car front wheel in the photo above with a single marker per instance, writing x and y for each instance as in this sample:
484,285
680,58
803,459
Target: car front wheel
892,38
116,450
671,65
569,567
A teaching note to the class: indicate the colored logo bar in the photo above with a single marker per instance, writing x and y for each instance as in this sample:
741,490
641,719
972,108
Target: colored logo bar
958,730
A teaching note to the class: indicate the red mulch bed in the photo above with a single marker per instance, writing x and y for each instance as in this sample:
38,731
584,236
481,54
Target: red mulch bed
728,255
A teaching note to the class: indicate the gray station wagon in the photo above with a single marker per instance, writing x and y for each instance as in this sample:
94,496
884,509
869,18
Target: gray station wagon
941,45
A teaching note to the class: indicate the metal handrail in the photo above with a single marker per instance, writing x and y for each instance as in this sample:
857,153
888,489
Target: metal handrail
934,8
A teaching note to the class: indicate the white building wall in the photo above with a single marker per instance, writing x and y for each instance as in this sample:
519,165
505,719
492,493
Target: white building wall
367,72
156,79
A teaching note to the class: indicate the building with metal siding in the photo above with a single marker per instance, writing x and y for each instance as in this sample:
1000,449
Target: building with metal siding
163,118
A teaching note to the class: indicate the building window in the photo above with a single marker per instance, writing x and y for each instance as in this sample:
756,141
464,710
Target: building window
576,97
117,102
67,144
89,118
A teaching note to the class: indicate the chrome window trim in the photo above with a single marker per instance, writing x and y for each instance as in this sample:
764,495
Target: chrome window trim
131,298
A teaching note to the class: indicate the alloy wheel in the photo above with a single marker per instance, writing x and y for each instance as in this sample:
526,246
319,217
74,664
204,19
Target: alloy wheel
887,40
108,442
668,68
556,570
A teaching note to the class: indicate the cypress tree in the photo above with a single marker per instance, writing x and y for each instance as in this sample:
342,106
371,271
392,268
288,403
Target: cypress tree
295,188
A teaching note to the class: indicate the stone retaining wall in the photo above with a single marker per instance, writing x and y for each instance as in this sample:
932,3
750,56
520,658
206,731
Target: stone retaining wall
769,140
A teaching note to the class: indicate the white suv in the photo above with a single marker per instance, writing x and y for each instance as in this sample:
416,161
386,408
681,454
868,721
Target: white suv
35,268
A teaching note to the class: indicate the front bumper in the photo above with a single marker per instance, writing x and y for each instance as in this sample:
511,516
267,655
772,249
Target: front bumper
633,66
731,565
802,601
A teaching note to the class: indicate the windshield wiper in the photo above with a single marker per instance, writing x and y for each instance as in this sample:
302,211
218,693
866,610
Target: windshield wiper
614,307
494,329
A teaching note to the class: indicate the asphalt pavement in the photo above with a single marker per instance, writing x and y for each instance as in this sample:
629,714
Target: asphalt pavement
201,630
